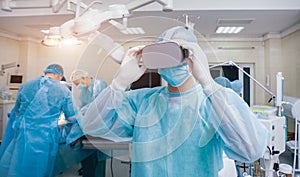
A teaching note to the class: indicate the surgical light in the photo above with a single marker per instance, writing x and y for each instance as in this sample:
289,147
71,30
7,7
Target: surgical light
71,41
86,23
53,38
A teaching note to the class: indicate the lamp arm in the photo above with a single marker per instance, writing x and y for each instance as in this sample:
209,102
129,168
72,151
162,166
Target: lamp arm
9,65
251,77
258,83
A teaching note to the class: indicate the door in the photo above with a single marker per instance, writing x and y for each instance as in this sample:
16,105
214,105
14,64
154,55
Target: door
233,73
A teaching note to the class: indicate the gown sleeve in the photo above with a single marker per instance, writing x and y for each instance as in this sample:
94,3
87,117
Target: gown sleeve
243,136
68,107
110,116
9,131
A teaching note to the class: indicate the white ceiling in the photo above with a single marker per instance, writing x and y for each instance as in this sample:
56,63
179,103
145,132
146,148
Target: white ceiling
270,18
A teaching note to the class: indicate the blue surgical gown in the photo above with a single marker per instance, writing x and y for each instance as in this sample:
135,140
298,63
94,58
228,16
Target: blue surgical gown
73,132
87,95
32,143
177,134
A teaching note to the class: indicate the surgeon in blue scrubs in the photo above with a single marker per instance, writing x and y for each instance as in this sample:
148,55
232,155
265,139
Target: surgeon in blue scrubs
89,87
180,129
95,164
31,139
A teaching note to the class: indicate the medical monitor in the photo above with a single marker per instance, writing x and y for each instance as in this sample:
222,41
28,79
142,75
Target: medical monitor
14,80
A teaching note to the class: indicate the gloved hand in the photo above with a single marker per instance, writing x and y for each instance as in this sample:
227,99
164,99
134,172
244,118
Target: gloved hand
130,70
200,69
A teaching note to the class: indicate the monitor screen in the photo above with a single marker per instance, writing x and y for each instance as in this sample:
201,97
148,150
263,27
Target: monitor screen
15,79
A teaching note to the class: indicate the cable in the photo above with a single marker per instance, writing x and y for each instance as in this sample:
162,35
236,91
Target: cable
111,164
269,150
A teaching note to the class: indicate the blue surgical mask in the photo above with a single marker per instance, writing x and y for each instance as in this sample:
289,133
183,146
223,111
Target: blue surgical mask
81,86
175,76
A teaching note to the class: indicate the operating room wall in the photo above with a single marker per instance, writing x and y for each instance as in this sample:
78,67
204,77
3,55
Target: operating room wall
9,50
291,68
242,53
291,64
34,57
67,56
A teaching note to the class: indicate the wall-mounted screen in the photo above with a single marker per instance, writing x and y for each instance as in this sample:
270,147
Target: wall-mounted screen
14,80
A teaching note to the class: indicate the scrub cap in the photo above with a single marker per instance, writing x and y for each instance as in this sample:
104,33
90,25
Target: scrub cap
55,69
223,81
77,74
178,33
237,86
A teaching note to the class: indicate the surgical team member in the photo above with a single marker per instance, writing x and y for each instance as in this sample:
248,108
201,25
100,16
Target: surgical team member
180,129
89,86
235,85
89,90
225,82
32,149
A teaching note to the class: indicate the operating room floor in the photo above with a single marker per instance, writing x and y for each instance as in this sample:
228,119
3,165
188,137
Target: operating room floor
286,157
120,169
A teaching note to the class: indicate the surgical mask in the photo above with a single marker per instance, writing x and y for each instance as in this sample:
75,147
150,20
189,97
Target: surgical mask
175,76
81,86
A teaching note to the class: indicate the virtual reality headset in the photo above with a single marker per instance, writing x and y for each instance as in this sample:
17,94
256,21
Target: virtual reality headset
164,55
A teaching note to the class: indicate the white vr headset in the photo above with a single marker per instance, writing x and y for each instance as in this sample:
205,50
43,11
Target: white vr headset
163,55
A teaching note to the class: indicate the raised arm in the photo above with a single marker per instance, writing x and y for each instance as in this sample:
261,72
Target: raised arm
244,137
111,115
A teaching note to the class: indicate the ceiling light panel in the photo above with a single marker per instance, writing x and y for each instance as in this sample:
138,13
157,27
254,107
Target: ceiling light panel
229,29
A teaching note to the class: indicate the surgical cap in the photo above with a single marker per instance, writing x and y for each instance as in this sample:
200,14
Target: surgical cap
178,33
77,74
237,86
223,81
55,69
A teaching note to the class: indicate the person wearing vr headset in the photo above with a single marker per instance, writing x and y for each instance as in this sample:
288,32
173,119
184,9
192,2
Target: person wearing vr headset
177,130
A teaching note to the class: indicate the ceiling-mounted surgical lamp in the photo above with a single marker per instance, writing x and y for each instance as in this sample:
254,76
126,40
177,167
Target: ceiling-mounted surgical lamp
89,21
52,38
